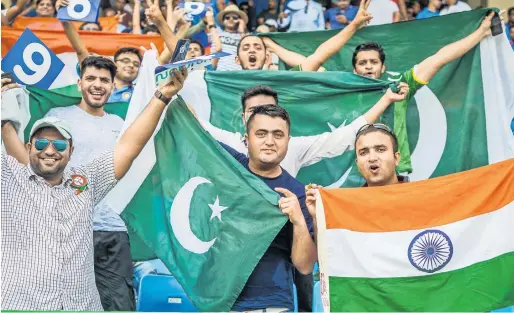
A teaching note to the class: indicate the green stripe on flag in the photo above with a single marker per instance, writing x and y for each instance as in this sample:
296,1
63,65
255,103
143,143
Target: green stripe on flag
481,287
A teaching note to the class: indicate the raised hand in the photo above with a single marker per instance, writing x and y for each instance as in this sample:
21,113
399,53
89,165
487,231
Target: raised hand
8,84
290,206
310,198
172,88
403,91
209,17
153,13
61,3
363,16
485,27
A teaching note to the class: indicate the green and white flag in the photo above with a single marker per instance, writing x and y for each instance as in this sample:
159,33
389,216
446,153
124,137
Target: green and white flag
459,121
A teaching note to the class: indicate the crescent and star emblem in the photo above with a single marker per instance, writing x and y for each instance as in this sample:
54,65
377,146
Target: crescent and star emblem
179,216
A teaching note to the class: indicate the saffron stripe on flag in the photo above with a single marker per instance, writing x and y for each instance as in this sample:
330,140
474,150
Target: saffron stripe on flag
467,195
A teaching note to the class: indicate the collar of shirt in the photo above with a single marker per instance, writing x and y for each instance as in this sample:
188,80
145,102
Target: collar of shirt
66,176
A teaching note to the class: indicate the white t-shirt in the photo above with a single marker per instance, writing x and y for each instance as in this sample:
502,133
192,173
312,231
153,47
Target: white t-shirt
456,8
382,11
92,136
302,151
229,42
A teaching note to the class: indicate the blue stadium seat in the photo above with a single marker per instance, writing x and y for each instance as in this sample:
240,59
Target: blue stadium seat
317,305
508,309
162,293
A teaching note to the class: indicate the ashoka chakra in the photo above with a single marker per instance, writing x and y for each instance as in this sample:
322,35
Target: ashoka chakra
430,251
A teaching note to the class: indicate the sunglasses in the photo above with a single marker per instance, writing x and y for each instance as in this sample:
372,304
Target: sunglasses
231,17
380,126
59,144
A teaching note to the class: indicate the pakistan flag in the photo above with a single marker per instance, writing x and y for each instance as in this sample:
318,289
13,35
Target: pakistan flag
202,213
459,121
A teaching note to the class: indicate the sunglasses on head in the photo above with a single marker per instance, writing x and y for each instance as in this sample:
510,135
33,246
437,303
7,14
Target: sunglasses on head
59,144
380,126
231,17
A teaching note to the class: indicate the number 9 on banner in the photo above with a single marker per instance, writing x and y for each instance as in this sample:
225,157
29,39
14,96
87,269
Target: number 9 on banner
80,10
31,62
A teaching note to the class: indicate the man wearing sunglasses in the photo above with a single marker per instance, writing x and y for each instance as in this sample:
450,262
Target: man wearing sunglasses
233,22
47,209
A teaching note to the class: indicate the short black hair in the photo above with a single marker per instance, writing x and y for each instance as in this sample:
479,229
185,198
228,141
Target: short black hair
372,129
81,27
202,49
509,12
257,91
98,62
271,111
39,1
150,28
246,36
368,46
128,50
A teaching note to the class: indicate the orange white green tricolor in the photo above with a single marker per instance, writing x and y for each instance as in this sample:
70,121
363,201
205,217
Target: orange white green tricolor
443,244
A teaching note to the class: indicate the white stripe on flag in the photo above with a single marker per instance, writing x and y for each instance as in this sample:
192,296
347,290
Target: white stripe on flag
385,254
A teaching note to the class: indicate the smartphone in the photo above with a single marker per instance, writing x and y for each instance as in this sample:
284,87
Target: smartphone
180,51
9,75
496,24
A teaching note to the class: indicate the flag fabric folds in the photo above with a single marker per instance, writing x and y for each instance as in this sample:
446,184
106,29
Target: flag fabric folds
439,245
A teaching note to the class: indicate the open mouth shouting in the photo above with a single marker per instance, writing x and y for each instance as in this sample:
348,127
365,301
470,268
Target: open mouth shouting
252,60
374,169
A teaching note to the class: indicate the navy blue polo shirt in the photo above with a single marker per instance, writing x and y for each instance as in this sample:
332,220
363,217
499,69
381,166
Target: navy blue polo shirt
271,283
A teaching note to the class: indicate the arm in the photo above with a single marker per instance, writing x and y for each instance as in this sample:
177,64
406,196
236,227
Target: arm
14,11
330,47
169,13
136,18
403,10
154,14
73,36
284,19
303,253
140,131
13,145
431,65
312,149
193,30
289,57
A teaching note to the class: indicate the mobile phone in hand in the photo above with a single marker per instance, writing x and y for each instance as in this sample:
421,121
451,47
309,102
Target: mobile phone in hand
10,76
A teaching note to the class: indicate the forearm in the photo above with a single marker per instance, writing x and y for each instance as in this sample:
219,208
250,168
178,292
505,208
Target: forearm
13,12
378,109
165,56
216,41
195,29
430,66
136,136
304,253
167,34
76,43
327,49
289,57
13,145
403,9
136,18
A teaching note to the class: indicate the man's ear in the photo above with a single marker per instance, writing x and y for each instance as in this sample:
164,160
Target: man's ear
397,157
383,69
28,145
238,62
246,137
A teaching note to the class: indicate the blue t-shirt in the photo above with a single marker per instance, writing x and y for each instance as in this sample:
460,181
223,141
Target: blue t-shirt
426,13
331,16
271,283
123,94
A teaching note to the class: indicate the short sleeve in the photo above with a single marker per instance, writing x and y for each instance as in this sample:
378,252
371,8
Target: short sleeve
307,216
100,175
240,157
414,83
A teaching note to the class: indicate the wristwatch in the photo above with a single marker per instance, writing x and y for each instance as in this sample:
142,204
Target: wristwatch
162,97
211,26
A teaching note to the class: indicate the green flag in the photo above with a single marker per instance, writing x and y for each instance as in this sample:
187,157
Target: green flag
203,214
459,121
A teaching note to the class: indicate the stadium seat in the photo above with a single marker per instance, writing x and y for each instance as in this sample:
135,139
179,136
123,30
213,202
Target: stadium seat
162,293
317,305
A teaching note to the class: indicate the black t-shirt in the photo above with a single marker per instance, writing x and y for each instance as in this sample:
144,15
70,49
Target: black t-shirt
271,283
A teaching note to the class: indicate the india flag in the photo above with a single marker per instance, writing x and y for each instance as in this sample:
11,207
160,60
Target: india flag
443,244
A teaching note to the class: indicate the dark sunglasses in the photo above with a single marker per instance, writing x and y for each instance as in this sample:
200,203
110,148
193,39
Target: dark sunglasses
380,126
59,145
231,17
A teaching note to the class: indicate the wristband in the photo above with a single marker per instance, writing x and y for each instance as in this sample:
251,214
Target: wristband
211,26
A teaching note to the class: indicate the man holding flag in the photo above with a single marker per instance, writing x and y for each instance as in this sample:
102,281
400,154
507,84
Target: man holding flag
47,209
